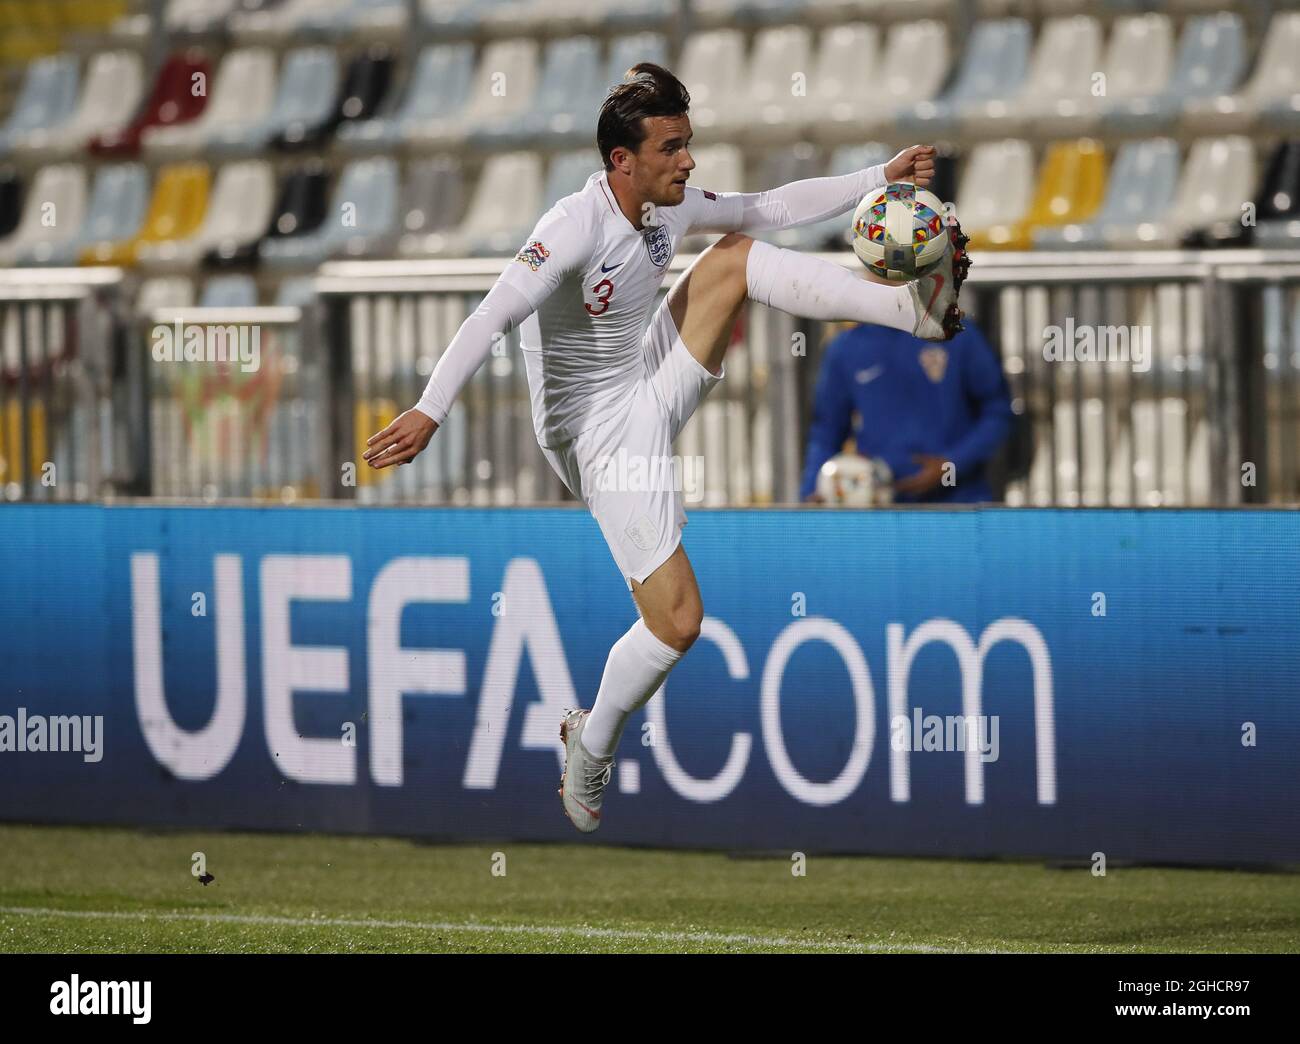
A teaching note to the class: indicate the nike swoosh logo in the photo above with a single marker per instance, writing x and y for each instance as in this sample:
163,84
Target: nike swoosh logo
610,268
866,376
938,289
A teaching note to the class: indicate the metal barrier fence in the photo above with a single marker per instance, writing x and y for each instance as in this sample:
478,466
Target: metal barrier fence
65,417
1145,379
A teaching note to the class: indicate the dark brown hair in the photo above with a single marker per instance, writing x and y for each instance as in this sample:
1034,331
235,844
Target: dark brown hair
647,90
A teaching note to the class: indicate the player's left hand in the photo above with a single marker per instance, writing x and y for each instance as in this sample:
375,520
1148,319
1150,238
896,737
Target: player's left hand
915,163
925,479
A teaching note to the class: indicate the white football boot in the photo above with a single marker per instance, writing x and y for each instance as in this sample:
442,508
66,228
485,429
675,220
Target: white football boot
938,317
582,786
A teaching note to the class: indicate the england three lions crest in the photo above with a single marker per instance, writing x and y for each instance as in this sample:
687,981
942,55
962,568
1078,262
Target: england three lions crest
658,245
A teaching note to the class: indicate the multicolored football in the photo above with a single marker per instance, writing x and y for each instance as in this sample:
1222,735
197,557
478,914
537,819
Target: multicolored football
900,232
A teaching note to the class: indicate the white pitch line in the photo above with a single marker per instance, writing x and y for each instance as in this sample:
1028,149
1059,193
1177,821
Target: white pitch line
625,934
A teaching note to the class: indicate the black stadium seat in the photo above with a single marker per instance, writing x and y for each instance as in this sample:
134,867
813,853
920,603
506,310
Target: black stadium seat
365,85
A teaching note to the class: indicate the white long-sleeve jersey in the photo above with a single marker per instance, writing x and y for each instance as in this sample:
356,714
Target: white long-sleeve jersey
584,284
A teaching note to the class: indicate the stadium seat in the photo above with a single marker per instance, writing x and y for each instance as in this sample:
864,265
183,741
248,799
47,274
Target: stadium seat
1278,210
171,101
450,19
1211,59
914,64
540,17
116,211
229,291
437,89
11,200
846,60
243,93
1060,82
433,201
1274,84
365,85
996,189
834,232
1140,191
779,101
563,107
53,211
639,14
372,20
1138,63
1219,176
111,92
504,206
499,89
361,219
713,70
626,51
568,173
297,20
991,73
196,17
180,198
300,209
238,211
46,101
304,98
1071,186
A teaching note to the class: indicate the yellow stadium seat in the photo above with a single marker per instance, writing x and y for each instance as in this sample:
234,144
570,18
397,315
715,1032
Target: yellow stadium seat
1071,186
180,198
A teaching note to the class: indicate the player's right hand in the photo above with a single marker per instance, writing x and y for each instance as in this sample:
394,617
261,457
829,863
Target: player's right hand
400,441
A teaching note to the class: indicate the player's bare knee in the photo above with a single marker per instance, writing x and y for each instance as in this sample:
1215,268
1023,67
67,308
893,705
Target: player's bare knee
678,629
729,256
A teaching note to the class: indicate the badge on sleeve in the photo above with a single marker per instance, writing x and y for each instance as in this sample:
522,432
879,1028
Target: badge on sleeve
534,255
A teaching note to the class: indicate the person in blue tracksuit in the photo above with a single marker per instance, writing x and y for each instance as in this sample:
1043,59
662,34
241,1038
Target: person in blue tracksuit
921,404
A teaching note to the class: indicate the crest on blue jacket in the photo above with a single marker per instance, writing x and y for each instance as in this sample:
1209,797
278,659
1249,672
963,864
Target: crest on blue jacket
659,245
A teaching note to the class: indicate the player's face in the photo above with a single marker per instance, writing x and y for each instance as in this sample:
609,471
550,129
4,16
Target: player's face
663,162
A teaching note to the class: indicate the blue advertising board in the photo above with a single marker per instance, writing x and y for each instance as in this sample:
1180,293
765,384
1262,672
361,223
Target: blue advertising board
1046,683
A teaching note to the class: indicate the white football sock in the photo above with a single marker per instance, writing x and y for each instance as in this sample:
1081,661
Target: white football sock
637,666
809,287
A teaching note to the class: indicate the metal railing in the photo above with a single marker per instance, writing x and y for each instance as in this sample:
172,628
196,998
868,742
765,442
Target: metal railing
1204,408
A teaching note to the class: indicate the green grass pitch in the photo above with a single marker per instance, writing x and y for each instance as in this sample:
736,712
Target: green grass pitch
75,889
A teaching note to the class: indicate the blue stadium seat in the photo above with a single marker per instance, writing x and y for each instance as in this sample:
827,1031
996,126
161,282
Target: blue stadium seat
1211,59
229,291
116,211
361,217
991,73
1141,188
47,99
564,106
305,98
438,90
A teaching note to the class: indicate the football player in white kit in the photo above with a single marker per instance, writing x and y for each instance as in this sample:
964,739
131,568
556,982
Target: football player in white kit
611,376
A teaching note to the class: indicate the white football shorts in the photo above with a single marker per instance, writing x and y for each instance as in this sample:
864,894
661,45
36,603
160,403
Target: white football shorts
623,468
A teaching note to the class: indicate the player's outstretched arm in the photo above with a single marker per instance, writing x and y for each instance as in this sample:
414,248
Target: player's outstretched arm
502,309
812,199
